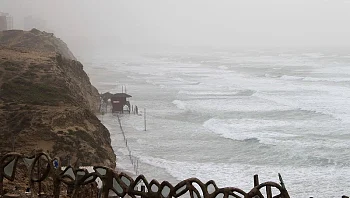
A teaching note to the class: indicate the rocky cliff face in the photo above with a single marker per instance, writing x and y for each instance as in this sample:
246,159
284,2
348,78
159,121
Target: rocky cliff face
47,101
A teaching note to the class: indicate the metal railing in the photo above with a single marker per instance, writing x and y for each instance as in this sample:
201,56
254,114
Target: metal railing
42,168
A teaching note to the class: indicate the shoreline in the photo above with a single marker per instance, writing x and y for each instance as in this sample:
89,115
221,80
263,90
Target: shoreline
123,163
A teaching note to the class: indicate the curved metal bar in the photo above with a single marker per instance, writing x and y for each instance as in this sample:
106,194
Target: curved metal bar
5,164
122,183
37,161
229,191
256,190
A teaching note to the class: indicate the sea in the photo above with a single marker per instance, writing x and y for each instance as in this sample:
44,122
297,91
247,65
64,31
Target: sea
227,115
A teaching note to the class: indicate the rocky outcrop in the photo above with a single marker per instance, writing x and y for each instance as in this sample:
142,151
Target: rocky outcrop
34,40
47,101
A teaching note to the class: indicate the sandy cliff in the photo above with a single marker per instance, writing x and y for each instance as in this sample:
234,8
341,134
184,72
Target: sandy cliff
47,101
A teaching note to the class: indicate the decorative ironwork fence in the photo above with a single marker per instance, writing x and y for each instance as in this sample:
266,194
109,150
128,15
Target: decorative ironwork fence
42,168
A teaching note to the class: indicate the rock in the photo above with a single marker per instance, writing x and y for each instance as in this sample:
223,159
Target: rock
47,101
11,196
34,41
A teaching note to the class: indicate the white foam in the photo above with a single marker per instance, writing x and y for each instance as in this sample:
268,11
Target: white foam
286,77
180,104
245,129
240,175
223,67
240,104
314,55
313,79
318,102
208,93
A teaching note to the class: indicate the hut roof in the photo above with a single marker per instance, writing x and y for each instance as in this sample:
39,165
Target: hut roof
121,95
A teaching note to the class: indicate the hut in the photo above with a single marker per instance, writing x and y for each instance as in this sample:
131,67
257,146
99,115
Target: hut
120,102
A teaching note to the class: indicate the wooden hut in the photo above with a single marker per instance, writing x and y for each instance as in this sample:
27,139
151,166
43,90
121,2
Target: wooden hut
120,103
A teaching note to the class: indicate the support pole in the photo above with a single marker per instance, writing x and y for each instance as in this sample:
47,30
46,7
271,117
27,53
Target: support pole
144,116
39,167
256,183
1,183
13,142
143,189
256,180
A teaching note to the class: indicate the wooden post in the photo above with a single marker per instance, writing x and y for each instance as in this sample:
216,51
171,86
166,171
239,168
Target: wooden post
268,192
57,186
1,182
137,167
144,115
256,183
143,190
39,166
13,142
256,180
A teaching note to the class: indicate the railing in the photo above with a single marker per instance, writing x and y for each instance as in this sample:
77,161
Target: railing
41,168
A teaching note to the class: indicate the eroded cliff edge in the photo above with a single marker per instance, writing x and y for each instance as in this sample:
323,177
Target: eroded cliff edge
47,101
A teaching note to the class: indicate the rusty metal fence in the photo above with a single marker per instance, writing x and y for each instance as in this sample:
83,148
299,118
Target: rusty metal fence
42,168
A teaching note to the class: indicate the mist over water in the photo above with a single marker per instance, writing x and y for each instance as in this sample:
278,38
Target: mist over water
92,25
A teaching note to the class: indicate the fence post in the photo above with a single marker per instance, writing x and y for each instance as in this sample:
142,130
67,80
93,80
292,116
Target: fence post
144,116
268,192
1,182
142,190
256,183
256,180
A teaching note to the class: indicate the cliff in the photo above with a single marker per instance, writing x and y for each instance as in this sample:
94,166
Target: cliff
47,101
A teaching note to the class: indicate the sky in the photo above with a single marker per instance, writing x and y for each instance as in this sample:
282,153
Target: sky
212,23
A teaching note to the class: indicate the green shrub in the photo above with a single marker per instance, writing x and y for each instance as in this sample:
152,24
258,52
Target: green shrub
25,91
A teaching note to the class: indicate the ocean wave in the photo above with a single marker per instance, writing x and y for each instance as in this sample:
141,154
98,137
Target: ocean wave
219,94
222,174
313,55
233,104
314,79
333,105
248,129
208,93
286,77
180,104
186,81
223,67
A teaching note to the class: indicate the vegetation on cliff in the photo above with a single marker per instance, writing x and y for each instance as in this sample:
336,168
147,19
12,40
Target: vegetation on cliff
47,101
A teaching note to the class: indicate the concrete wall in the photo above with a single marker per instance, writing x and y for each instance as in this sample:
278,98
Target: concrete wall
3,23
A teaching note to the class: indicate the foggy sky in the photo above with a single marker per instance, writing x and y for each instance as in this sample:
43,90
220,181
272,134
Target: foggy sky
228,23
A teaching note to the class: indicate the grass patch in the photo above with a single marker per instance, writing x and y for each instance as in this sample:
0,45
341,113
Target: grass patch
11,66
83,135
25,91
30,75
